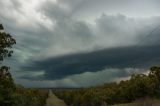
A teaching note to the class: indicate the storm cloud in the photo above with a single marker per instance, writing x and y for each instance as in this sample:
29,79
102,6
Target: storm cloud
141,57
62,40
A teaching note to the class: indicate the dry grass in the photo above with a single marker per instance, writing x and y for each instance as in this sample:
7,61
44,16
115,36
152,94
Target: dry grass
142,102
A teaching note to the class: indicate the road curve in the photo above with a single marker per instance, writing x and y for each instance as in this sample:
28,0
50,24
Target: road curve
52,100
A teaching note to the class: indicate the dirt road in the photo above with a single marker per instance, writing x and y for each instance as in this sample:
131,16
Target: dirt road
54,101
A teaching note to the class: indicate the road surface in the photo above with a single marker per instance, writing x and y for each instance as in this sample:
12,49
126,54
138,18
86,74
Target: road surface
54,101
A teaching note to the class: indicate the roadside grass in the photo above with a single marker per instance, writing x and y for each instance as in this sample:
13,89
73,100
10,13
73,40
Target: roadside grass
146,102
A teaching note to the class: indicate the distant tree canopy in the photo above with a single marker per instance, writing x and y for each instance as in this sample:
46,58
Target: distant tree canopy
7,85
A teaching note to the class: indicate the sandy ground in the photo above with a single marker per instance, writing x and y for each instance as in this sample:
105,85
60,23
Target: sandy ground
54,101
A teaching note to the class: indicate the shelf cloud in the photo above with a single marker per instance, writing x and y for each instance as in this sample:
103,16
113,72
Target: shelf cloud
59,41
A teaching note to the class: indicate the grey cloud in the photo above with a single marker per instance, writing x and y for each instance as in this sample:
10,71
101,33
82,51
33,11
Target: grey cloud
86,79
133,8
53,11
60,67
71,35
100,77
55,30
121,30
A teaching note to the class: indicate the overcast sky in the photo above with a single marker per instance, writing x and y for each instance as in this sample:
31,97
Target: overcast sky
80,43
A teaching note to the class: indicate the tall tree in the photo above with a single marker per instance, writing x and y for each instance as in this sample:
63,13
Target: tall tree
6,81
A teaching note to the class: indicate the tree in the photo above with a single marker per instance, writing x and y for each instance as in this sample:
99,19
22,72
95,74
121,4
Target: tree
6,82
154,76
6,43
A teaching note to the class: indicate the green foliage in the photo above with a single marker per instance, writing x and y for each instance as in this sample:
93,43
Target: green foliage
6,43
1,27
7,86
137,87
29,97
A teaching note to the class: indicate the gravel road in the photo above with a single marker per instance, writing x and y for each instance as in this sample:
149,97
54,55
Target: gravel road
54,101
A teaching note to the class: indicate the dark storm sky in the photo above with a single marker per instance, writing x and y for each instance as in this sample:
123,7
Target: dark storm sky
75,43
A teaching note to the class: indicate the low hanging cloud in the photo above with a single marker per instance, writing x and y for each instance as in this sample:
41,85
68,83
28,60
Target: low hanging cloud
86,79
124,57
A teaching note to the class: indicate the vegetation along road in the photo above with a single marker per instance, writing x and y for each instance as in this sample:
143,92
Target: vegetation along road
54,101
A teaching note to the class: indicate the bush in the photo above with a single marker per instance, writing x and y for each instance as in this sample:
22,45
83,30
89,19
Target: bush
30,97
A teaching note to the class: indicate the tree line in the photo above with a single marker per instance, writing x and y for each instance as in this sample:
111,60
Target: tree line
137,87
